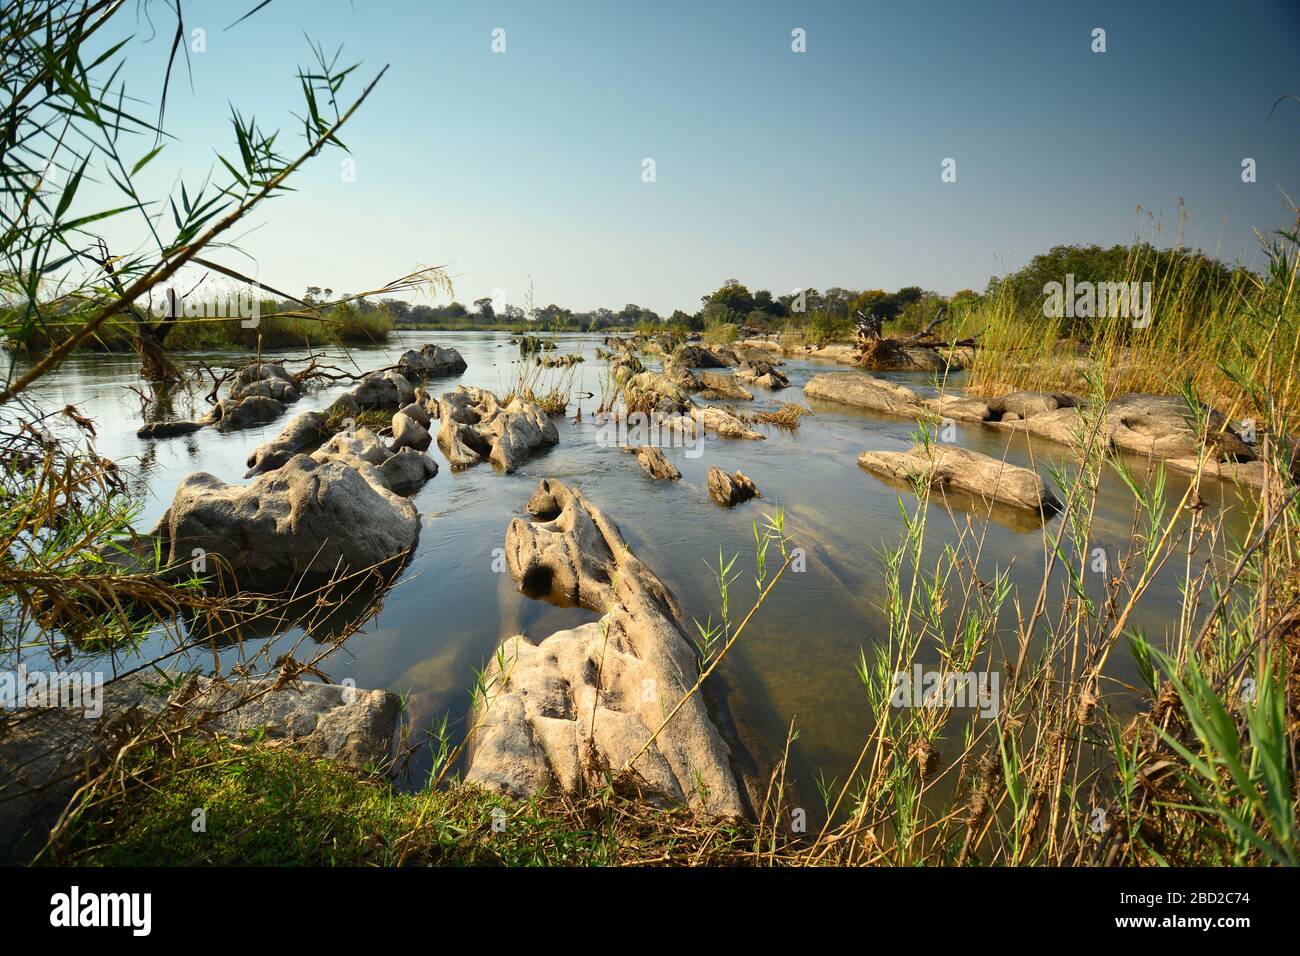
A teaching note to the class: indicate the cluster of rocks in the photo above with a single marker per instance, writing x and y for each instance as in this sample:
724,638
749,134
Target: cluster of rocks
476,427
1157,427
258,394
570,710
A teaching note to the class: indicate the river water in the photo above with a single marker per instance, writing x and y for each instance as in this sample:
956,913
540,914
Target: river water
450,608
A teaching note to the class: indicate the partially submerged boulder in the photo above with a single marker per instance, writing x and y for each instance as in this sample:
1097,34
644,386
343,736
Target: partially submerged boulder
865,391
311,518
476,427
656,464
265,379
730,490
565,711
431,361
950,466
715,386
702,356
388,389
408,432
723,422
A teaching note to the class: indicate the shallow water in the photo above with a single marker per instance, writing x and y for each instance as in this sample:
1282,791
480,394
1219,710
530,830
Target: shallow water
450,609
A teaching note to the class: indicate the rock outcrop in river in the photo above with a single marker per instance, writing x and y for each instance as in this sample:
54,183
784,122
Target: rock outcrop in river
336,510
730,490
476,427
1156,427
949,466
564,711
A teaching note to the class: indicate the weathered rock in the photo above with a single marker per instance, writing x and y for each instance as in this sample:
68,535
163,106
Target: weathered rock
656,464
864,391
730,490
383,390
564,711
652,392
304,433
235,414
717,386
950,466
762,373
475,426
267,380
723,423
409,433
1161,427
408,469
418,409
431,361
307,519
700,356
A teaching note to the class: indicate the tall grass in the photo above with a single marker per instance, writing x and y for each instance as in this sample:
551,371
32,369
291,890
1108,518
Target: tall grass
1216,337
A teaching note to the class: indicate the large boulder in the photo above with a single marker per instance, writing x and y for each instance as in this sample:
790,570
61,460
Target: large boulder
431,361
265,379
950,466
701,356
565,711
309,519
476,427
865,391
383,390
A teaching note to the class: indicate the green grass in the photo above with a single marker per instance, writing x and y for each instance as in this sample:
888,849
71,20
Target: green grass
273,806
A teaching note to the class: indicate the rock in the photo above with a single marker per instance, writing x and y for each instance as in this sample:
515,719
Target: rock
723,423
700,356
475,426
845,354
865,391
408,469
418,409
46,749
430,361
351,726
563,712
762,373
409,433
651,392
383,390
308,519
656,464
267,380
168,429
235,414
730,490
304,433
962,408
1163,428
950,466
1029,404
718,386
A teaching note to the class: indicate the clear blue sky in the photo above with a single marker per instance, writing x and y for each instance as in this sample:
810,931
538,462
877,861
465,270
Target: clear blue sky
781,169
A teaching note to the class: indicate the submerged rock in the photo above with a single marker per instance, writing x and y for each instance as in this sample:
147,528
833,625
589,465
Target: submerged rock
656,464
564,711
950,466
730,490
475,426
266,380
